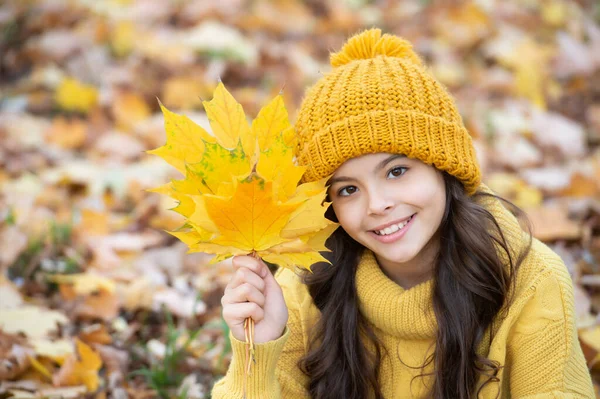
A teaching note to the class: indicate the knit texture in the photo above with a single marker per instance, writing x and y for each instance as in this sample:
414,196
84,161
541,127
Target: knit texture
536,341
379,97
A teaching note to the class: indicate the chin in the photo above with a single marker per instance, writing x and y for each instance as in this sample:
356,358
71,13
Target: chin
400,259
398,255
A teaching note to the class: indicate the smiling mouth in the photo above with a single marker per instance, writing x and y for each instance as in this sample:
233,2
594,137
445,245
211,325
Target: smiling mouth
393,228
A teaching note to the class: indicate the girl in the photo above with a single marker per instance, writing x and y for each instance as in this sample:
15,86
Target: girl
435,290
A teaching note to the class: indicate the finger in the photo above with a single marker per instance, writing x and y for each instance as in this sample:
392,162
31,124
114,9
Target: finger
243,293
236,313
245,275
256,265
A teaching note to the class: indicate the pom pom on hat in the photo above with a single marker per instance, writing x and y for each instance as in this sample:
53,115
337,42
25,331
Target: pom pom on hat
369,44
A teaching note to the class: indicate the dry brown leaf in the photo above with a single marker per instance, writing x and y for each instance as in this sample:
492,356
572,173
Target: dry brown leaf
103,305
15,354
115,360
94,223
581,186
129,108
96,334
184,92
551,222
68,134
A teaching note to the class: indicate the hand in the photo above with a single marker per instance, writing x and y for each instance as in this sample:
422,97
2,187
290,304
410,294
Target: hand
254,292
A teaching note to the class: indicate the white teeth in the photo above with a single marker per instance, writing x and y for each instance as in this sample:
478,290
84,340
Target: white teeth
393,228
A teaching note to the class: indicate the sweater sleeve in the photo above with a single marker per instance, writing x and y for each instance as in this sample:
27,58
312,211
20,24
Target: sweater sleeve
275,375
544,357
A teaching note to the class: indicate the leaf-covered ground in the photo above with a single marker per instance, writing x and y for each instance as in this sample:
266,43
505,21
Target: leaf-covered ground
97,301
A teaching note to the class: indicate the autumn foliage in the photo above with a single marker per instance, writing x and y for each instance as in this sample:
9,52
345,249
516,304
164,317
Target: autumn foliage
240,193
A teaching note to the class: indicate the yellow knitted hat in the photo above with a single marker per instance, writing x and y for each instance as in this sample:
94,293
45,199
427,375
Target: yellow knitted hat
379,97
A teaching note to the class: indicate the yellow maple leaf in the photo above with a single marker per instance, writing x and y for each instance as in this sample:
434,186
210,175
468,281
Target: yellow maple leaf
228,121
68,134
307,218
240,193
275,163
80,369
72,95
185,140
193,237
218,162
271,121
250,220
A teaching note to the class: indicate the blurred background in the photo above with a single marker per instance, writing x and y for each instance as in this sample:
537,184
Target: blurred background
97,301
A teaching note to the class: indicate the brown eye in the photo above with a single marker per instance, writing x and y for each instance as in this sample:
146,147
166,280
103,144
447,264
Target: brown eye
346,191
397,171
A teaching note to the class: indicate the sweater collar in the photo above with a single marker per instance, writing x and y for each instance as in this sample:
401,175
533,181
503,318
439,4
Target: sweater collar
403,313
409,314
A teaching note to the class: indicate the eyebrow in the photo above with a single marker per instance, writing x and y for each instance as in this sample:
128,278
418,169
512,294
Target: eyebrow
380,166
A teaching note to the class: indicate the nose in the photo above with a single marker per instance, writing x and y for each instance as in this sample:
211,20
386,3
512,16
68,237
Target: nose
379,202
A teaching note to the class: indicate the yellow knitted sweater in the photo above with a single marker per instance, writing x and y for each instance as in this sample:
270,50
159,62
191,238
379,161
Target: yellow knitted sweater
536,341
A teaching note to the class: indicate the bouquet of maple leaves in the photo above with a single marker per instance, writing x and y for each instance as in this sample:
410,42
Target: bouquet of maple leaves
241,193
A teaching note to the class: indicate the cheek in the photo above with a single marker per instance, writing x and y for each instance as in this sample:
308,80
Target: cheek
433,200
347,215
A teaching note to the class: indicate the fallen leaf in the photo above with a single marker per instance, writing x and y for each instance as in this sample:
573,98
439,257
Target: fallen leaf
31,320
10,297
72,95
581,186
182,305
515,190
96,334
551,222
103,305
92,222
183,92
122,38
80,368
15,354
185,141
128,109
119,146
67,133
85,283
56,350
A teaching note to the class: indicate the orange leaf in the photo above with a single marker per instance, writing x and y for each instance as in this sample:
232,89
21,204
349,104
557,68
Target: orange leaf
250,220
80,369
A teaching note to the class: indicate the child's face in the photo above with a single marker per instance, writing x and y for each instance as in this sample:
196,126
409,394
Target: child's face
375,191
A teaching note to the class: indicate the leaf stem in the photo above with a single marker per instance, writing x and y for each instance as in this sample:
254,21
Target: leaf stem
249,335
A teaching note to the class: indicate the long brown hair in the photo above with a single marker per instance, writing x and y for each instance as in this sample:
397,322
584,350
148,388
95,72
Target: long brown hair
473,275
